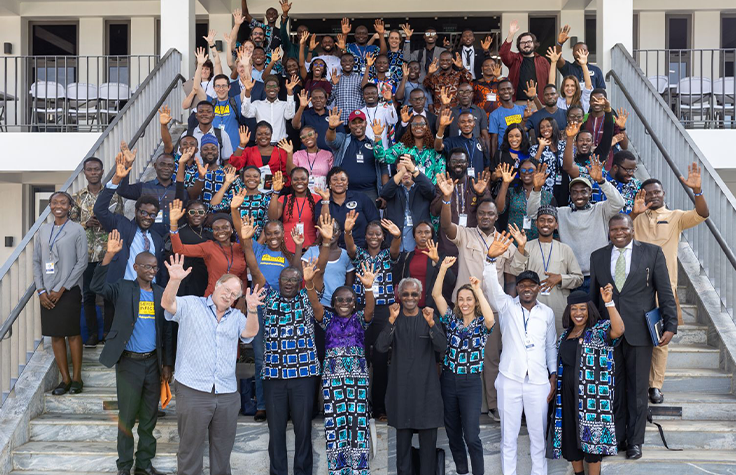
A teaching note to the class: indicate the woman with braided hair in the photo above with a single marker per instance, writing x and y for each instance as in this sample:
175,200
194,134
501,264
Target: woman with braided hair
296,209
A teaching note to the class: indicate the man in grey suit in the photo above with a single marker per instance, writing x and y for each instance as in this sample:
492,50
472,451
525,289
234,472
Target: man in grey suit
638,272
426,55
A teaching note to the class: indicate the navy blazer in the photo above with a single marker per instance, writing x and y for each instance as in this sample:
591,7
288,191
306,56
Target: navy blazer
127,229
126,295
420,197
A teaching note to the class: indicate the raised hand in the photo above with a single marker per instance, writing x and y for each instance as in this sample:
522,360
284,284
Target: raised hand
446,43
379,27
370,59
386,93
286,145
304,37
309,269
238,17
228,40
238,199
389,226
176,268
496,72
486,43
507,172
519,235
550,282
432,251
367,275
446,185
500,244
326,228
428,314
607,293
231,174
601,101
617,139
407,163
377,127
277,182
114,243
350,219
458,61
254,298
448,262
393,312
122,169
201,170
407,29
434,66
244,134
164,115
582,57
249,84
446,117
475,284
481,184
276,55
324,194
335,77
128,154
297,237
694,180
540,176
313,42
341,42
291,84
285,7
446,96
210,38
622,117
345,26
405,114
531,89
553,55
334,119
528,111
176,211
201,55
564,34
596,169
572,129
513,28
248,229
405,70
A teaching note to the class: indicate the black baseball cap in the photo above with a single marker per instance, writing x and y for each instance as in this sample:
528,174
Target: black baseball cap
528,275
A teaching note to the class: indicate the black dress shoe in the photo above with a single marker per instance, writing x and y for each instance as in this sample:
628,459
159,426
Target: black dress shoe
260,416
633,452
62,388
147,471
76,387
92,341
656,396
123,472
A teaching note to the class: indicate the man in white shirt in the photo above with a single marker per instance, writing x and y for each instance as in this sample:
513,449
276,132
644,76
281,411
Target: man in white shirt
272,110
384,113
527,372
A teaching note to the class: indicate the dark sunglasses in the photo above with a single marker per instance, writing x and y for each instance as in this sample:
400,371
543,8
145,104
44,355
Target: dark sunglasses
344,300
410,294
196,212
527,170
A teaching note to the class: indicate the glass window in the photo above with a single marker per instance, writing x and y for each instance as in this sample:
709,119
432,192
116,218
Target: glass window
53,40
545,29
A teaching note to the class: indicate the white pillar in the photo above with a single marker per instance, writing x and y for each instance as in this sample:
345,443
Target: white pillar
177,31
576,20
615,24
706,34
652,26
506,19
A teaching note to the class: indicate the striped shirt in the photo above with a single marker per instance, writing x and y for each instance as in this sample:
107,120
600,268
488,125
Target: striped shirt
207,350
347,95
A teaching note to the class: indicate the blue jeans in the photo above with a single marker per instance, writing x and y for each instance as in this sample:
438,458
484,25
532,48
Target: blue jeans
258,351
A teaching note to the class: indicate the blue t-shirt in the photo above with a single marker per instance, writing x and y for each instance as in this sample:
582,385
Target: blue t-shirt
560,116
502,118
271,263
319,123
335,272
143,338
596,75
360,165
227,119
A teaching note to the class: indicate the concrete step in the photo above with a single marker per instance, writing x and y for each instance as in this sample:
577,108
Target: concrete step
693,356
98,376
699,406
703,435
660,461
697,380
682,294
93,400
689,313
691,335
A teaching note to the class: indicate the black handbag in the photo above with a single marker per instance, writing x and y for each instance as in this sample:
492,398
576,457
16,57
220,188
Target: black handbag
440,460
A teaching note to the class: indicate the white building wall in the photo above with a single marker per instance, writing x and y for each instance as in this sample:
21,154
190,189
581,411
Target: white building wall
12,212
652,36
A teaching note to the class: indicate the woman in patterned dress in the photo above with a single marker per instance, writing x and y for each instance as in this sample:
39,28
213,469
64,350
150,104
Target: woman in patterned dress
584,430
345,373
467,327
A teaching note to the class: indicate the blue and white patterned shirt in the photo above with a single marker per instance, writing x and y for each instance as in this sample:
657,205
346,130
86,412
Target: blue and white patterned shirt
383,285
213,181
207,350
465,345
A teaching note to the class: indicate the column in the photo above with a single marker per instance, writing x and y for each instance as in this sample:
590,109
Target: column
651,36
576,20
615,24
506,19
177,31
706,34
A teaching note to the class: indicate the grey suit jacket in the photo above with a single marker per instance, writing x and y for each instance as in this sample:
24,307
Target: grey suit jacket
69,255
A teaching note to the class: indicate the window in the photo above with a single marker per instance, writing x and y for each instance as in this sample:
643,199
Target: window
49,40
202,30
678,31
590,37
545,29
728,41
117,47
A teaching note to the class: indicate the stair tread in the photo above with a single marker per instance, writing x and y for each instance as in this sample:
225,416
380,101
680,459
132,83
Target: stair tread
689,372
692,348
693,426
73,449
660,454
675,398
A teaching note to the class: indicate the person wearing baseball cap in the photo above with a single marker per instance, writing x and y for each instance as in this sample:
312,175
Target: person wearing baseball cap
553,260
528,369
582,226
354,153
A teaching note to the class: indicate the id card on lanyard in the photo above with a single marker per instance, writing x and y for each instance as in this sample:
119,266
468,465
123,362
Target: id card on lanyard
545,263
528,343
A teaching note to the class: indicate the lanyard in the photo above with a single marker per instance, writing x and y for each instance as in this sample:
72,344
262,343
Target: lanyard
460,199
232,258
545,262
596,129
371,119
525,319
213,312
300,209
470,150
161,196
51,243
311,164
480,236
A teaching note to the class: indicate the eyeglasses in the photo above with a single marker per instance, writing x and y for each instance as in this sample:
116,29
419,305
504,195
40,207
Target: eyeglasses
148,267
291,280
527,42
630,171
221,86
419,124
430,33
196,212
410,294
344,300
146,214
272,86
307,135
231,295
527,170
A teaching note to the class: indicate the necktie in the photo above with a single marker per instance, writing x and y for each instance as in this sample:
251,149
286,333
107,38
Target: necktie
147,245
468,52
620,276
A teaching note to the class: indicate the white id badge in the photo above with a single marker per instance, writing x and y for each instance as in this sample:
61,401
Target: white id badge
409,221
160,217
545,292
50,268
490,97
299,228
359,157
311,181
528,343
471,172
527,222
462,220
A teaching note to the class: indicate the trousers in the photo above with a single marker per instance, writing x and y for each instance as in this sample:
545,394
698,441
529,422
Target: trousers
377,360
427,451
200,414
631,397
491,360
258,349
513,398
462,396
660,353
90,307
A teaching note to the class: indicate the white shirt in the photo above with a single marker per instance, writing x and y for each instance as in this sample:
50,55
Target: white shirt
518,361
275,113
469,65
615,252
413,113
386,113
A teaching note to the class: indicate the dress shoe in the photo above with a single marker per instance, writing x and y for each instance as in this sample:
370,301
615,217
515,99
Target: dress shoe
92,341
62,388
122,471
633,452
147,471
656,396
493,414
161,413
76,387
260,416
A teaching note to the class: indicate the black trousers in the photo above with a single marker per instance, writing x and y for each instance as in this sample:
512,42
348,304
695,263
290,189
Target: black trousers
139,391
295,398
90,309
427,451
377,360
631,393
462,395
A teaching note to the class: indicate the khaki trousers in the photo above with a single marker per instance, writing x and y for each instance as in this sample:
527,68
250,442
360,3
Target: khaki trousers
659,353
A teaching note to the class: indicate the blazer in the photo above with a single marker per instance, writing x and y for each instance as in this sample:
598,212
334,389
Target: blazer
431,121
401,271
69,255
422,57
127,229
478,57
420,197
126,295
648,283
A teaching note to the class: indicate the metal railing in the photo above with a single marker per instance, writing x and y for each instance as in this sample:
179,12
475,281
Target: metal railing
697,84
67,93
666,149
20,332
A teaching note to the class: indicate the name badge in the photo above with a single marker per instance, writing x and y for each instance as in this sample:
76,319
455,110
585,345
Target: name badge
462,220
471,172
299,228
160,217
359,157
50,268
527,222
490,97
528,344
409,221
221,126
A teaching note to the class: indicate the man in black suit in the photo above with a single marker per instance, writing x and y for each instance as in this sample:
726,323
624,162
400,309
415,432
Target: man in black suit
471,56
138,235
417,101
638,272
139,345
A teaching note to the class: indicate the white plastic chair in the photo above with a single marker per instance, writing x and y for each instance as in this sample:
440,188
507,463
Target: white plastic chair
47,99
724,98
110,96
660,83
694,95
82,100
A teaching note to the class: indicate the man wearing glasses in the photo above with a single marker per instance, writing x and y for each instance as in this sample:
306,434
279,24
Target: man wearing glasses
526,65
622,177
227,116
429,53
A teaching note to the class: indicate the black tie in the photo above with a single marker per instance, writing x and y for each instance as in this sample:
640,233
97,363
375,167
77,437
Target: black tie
468,52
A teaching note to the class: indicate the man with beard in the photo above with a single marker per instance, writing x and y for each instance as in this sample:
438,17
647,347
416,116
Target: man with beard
478,158
549,258
550,109
272,110
427,55
528,368
360,49
582,226
271,33
347,93
465,105
329,55
204,181
413,82
622,177
138,234
417,101
473,243
205,115
442,79
526,65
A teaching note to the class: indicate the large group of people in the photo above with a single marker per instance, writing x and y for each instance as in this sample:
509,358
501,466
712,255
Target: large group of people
410,226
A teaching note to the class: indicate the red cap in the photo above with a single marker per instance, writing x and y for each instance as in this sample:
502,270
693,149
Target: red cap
356,114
